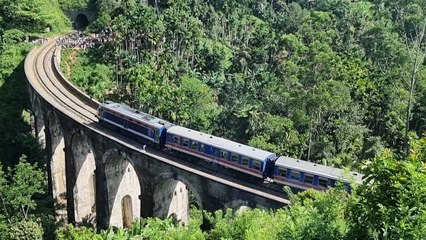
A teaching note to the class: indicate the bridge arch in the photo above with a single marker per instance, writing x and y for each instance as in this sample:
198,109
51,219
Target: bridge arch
84,189
123,188
57,164
173,196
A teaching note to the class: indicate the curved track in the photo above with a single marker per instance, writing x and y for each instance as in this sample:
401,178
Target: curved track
44,76
57,90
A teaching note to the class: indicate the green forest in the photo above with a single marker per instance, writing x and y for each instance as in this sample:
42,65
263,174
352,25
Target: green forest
337,82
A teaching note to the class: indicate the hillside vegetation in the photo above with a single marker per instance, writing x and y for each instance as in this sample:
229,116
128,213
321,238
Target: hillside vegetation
328,81
25,206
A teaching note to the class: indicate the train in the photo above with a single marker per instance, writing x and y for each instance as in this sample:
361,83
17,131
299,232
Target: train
270,167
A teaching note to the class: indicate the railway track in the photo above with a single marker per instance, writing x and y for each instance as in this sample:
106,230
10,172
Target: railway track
58,88
45,77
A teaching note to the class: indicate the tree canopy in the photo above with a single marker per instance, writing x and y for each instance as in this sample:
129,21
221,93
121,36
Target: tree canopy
317,80
24,199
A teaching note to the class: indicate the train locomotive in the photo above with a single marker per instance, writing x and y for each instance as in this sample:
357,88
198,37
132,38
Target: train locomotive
162,134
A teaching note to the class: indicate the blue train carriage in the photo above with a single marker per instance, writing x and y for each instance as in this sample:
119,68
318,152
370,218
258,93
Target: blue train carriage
218,150
303,175
135,122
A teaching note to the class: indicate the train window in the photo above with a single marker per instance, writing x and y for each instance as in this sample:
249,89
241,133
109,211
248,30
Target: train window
185,142
216,152
234,158
256,165
194,146
322,182
176,139
295,175
202,148
309,179
138,128
223,154
245,161
113,118
282,172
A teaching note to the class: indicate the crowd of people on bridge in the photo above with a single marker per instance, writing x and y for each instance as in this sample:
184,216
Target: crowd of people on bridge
82,41
38,40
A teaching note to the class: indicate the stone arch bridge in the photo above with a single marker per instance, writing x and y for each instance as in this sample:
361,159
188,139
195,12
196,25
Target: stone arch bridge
100,177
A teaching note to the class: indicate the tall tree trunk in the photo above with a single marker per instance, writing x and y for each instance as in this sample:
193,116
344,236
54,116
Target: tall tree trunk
410,97
417,56
309,144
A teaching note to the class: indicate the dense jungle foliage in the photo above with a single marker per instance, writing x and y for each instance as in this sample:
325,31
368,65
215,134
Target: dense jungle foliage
327,81
333,81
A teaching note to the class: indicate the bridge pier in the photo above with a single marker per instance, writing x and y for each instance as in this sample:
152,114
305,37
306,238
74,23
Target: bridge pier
83,180
37,121
101,196
57,166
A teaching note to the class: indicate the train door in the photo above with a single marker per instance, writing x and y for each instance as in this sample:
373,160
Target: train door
163,137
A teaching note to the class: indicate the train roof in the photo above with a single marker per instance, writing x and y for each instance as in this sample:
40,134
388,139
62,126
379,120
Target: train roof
318,169
136,114
221,143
